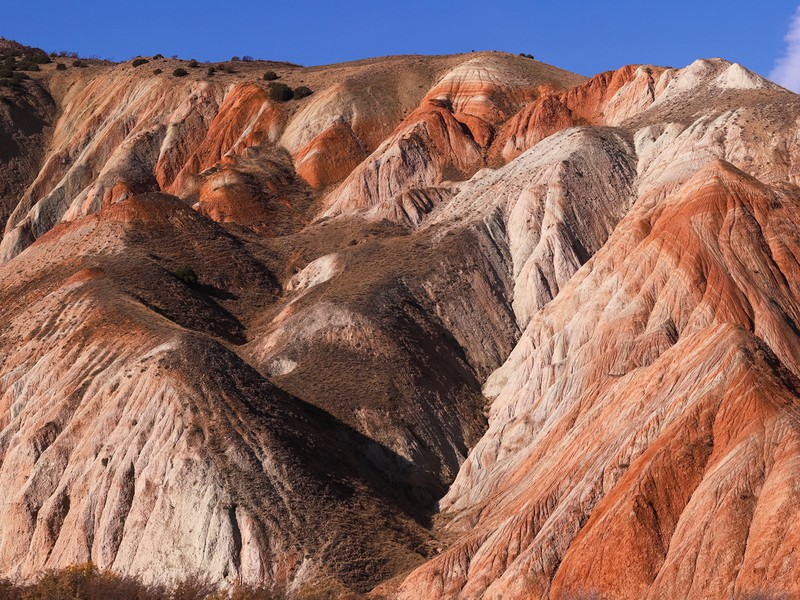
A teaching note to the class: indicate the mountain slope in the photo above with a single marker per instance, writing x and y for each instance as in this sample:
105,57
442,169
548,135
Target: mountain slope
462,327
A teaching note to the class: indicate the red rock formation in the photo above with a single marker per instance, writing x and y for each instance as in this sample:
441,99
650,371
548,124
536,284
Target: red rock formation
445,139
604,99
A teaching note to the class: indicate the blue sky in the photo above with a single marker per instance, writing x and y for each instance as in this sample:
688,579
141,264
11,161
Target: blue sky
583,36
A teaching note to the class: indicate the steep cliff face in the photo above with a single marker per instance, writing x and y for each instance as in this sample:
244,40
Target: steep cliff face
457,327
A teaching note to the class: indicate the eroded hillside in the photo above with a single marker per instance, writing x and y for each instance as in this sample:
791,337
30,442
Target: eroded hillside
462,327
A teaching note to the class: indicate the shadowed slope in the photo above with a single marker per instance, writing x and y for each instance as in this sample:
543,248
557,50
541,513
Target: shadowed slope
674,370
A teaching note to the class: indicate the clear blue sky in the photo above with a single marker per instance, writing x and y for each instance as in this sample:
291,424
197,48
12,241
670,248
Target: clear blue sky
582,35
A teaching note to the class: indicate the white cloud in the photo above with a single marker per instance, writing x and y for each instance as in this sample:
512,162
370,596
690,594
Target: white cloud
787,68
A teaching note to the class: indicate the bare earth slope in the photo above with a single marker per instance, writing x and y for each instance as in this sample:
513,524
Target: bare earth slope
463,327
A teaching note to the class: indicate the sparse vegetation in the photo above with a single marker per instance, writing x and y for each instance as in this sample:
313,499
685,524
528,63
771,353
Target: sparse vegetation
179,72
81,64
280,92
193,64
28,66
186,274
12,78
138,62
61,67
522,54
247,58
302,92
270,76
87,582
158,57
14,61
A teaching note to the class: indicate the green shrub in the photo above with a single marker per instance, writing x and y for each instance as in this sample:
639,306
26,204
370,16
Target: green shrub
522,54
39,57
138,62
302,92
280,92
270,76
81,64
28,66
157,71
193,64
158,56
180,72
186,274
61,67
210,71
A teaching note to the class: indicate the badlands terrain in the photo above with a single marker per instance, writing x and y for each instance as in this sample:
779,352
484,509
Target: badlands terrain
462,327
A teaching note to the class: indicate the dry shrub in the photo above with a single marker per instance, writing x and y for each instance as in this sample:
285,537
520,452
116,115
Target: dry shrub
86,582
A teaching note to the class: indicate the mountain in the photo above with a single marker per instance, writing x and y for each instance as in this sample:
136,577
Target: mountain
446,327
